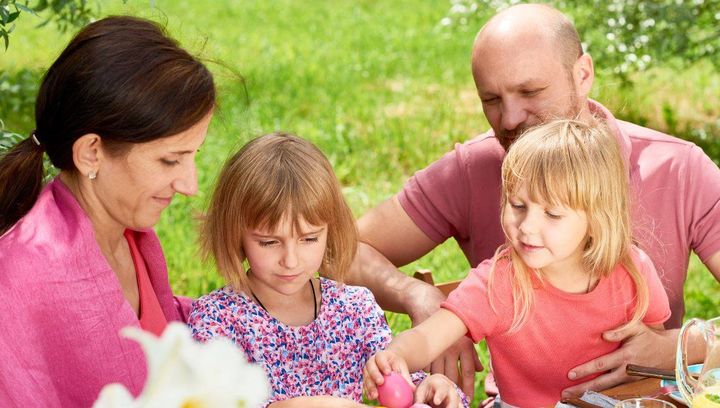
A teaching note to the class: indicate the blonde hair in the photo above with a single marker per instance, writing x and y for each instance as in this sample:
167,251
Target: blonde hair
578,165
273,176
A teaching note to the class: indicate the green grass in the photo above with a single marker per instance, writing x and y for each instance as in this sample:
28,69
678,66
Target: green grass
377,85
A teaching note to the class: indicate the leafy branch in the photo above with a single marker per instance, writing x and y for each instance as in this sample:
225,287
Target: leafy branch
64,13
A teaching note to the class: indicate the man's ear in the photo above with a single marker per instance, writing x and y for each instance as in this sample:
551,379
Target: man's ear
583,75
87,154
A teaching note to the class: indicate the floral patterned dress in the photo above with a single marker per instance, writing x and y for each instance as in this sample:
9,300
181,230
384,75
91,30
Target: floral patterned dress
325,357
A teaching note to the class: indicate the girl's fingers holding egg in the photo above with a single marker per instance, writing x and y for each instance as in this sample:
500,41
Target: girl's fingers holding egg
406,375
397,364
386,362
369,385
372,372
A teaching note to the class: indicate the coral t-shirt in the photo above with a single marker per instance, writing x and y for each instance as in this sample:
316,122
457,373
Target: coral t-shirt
563,330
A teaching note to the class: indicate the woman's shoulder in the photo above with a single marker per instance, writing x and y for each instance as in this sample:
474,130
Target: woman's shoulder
38,219
55,231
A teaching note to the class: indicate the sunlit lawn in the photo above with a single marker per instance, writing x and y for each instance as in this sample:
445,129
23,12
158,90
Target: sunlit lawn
379,86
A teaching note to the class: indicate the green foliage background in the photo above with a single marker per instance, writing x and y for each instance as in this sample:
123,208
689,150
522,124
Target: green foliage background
382,87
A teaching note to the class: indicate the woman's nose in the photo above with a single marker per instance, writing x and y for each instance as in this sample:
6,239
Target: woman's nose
187,184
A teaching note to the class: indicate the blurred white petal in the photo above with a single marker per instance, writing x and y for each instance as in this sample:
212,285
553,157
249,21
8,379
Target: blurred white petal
184,373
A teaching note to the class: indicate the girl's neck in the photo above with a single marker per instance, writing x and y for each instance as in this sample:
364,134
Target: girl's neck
572,280
298,309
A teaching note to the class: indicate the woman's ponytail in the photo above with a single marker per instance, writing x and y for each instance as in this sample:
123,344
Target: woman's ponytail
21,179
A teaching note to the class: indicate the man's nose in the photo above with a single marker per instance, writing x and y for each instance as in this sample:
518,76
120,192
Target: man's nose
513,115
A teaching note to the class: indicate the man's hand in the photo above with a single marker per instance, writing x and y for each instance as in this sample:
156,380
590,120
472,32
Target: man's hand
464,353
641,345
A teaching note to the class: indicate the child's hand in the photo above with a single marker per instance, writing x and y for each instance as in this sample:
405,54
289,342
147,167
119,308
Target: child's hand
380,365
438,391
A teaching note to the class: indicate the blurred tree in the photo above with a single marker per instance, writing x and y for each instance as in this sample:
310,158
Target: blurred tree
623,35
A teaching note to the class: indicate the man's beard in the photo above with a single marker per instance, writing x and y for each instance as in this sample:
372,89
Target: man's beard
508,137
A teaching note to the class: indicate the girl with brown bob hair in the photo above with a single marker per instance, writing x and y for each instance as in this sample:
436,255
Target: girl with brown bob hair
121,113
272,177
278,208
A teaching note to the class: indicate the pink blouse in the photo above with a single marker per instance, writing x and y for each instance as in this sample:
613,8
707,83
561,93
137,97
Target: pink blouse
63,308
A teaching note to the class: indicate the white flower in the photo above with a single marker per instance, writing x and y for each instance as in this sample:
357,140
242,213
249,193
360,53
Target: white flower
114,396
184,373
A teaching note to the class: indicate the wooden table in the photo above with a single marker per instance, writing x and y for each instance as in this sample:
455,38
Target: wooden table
636,389
644,387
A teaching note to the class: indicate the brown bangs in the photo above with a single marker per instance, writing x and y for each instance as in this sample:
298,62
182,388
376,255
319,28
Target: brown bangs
288,183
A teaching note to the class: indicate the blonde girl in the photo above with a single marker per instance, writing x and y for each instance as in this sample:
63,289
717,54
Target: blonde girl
277,218
567,272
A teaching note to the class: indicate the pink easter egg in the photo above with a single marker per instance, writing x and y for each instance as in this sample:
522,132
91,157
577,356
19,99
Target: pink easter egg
395,392
419,405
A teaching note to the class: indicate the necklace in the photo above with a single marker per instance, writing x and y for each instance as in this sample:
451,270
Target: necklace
312,290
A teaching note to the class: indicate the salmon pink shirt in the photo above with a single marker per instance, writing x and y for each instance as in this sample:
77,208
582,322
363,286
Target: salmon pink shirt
63,308
562,331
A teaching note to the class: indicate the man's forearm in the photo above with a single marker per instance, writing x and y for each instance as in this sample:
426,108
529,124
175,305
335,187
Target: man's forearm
393,290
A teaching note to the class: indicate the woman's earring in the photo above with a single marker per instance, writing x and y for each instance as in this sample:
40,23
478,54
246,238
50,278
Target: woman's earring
92,175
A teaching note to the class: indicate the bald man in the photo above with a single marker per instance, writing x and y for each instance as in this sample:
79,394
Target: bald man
529,66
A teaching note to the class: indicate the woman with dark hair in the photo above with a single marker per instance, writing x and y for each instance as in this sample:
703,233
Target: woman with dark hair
122,113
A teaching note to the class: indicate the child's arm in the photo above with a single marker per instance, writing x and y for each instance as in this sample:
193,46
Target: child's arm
320,401
422,344
413,349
